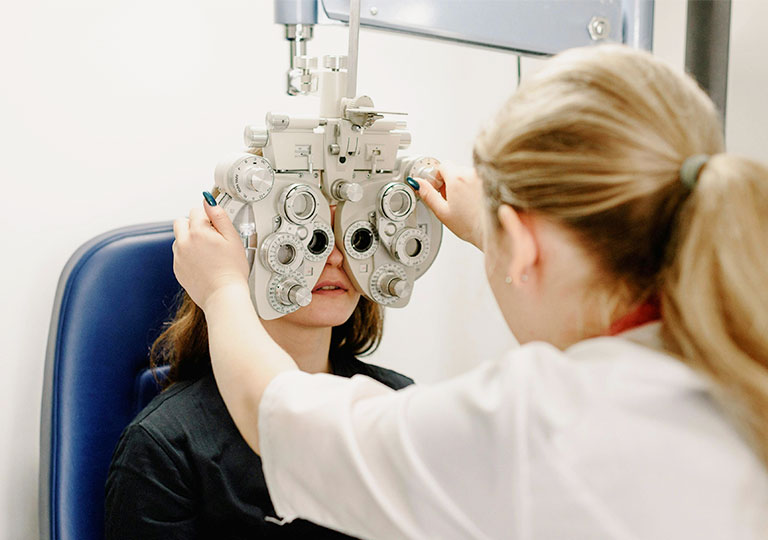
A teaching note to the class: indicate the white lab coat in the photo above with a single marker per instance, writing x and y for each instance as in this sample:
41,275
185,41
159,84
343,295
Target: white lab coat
611,438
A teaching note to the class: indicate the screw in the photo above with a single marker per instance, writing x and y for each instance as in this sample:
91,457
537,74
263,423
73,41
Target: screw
374,11
599,28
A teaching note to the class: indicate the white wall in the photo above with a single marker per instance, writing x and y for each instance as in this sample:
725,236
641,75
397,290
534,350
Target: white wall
747,109
114,112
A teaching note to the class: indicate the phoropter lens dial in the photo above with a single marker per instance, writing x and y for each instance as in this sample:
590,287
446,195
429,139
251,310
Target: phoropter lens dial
389,283
282,253
360,240
288,293
396,201
410,246
245,177
319,242
298,204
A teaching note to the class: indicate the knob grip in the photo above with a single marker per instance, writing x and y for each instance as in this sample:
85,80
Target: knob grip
428,173
395,286
299,295
305,62
348,191
258,180
255,137
334,62
291,293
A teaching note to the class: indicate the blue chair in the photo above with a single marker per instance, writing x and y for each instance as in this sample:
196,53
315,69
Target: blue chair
113,296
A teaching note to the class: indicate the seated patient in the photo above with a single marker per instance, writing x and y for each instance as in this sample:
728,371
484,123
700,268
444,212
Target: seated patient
181,468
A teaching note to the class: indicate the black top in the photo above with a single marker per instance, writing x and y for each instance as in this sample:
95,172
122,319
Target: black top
182,470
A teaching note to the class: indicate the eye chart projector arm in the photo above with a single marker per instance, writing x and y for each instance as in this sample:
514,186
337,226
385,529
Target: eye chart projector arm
540,27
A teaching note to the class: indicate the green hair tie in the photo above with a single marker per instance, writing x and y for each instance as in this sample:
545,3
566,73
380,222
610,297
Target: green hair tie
689,171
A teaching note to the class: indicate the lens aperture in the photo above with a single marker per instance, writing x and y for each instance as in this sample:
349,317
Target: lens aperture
318,243
362,240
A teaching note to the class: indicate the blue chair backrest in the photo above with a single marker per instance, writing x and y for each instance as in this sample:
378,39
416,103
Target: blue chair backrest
113,296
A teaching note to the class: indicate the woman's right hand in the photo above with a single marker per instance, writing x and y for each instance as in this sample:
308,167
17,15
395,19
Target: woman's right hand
458,202
208,254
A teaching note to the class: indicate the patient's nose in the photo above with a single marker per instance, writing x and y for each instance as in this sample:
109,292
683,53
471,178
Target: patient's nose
336,258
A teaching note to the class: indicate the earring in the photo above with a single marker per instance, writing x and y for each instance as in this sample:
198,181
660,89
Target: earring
524,278
508,280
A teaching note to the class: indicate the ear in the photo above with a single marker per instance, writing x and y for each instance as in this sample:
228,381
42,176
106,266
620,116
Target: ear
518,235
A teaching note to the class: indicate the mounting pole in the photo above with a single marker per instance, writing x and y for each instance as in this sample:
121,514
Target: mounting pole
354,38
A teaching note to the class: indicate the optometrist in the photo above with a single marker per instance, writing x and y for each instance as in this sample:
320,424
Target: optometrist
626,252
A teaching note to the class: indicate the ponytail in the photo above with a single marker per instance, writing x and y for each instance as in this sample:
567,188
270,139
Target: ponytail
714,290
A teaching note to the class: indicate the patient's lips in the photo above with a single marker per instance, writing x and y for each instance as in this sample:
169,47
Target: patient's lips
329,287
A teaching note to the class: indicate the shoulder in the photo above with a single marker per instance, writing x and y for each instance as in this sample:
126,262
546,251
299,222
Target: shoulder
184,411
347,367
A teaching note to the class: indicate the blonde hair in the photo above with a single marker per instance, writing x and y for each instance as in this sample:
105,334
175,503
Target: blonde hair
595,141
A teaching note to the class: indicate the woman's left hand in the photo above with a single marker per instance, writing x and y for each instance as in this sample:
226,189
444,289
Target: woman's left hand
208,254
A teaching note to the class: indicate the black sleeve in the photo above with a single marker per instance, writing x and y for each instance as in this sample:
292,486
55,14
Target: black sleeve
146,495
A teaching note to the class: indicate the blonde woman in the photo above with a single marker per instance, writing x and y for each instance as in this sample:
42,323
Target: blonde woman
626,252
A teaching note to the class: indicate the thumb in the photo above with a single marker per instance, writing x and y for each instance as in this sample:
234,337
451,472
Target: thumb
220,220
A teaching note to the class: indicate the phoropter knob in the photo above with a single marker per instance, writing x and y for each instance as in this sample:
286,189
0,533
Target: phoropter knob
334,62
394,286
305,62
259,179
255,137
291,293
347,191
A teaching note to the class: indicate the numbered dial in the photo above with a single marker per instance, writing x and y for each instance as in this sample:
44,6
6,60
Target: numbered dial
389,283
288,293
246,177
425,168
319,243
397,201
411,246
282,253
360,240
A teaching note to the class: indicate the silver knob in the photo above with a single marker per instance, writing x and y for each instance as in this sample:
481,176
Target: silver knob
299,295
427,173
348,191
259,179
394,286
255,137
334,62
305,62
291,292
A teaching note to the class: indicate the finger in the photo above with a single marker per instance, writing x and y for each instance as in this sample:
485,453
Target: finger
220,221
449,173
433,199
198,221
440,184
181,229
